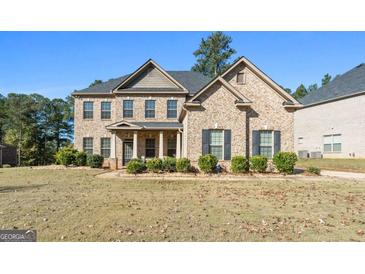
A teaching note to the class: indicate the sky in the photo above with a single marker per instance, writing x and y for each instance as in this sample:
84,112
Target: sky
56,63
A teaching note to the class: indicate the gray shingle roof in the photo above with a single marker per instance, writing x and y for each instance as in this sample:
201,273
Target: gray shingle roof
191,80
158,124
346,84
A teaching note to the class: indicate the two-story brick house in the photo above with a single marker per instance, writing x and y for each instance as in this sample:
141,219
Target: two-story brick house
156,113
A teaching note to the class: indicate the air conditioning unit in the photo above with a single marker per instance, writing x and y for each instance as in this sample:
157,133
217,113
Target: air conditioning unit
303,154
316,154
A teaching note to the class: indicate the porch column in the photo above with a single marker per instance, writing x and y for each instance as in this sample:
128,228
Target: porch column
135,135
112,145
160,147
178,145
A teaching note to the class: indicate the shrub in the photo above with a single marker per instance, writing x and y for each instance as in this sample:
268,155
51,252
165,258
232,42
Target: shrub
95,160
183,165
66,156
81,158
155,165
258,163
207,163
285,162
135,166
314,170
169,164
240,164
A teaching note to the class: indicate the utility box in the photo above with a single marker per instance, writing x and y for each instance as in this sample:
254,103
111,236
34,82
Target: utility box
316,154
7,155
303,154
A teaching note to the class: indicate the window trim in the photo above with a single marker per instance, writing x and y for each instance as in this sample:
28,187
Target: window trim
90,111
125,109
84,149
105,111
169,109
332,143
147,109
101,146
272,142
210,145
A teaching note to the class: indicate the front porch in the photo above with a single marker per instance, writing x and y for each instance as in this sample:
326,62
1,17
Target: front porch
143,140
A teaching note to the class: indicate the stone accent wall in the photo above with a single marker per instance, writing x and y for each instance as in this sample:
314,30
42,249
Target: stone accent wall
217,111
267,111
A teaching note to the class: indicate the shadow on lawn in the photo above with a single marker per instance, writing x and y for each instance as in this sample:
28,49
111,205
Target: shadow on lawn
6,189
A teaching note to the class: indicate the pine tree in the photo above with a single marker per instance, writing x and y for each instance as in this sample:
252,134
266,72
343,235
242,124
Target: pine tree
213,54
300,92
326,79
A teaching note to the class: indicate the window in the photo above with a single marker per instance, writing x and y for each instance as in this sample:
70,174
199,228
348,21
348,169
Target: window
150,148
332,143
150,109
105,147
127,108
171,147
300,140
240,78
216,143
106,110
266,143
88,145
171,109
88,110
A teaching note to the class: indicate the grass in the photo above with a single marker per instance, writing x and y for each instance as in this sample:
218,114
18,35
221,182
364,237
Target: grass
355,165
74,205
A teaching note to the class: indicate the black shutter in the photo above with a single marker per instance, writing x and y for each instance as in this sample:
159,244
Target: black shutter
277,141
227,144
205,141
255,142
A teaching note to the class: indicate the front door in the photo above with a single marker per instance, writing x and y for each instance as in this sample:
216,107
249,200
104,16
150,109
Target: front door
127,151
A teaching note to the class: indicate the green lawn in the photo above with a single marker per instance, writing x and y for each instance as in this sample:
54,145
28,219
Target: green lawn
356,165
74,205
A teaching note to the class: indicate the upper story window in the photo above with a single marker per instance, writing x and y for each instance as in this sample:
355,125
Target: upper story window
171,108
266,143
88,110
241,78
127,108
106,110
150,109
332,143
87,145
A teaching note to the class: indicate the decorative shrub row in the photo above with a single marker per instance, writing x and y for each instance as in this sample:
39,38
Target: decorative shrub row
69,156
168,164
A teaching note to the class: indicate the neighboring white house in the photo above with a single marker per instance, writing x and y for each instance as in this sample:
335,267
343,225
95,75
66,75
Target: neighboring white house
332,120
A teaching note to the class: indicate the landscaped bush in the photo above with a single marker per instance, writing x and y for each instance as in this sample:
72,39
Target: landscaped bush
285,162
183,165
258,163
240,164
169,164
154,165
66,156
314,170
95,160
81,158
207,163
135,166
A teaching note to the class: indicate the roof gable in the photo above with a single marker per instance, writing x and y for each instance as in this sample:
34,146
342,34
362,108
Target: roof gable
281,92
150,77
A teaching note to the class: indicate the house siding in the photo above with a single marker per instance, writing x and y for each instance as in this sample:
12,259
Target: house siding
345,117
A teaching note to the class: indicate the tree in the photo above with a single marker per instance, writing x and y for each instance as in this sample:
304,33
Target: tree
300,92
326,79
312,87
3,112
96,82
288,90
213,54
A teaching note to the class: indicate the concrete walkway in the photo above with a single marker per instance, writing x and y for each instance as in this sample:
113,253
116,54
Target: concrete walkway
343,174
